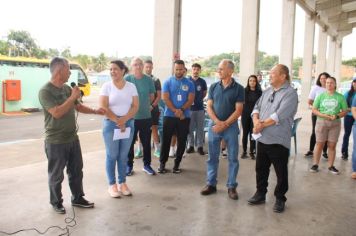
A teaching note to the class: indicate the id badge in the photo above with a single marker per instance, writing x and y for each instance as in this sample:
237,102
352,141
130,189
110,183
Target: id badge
179,97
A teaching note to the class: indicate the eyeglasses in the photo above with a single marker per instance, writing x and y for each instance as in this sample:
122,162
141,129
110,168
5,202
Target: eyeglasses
271,98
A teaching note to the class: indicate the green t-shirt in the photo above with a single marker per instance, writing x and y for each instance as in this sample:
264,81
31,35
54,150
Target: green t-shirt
145,87
64,129
330,104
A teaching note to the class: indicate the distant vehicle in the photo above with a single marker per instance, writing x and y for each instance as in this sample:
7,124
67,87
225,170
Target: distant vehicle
33,74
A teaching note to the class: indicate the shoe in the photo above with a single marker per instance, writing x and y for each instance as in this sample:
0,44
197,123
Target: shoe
345,156
333,170
252,155
244,155
201,151
258,198
207,190
190,149
59,208
223,153
82,202
129,170
113,191
325,155
138,154
177,170
162,169
314,169
157,153
148,169
353,175
279,206
124,189
308,154
232,193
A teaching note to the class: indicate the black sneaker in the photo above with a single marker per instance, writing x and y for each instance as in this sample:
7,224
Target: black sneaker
258,198
252,155
279,206
308,154
314,169
201,151
333,170
244,155
190,149
82,202
59,208
177,170
325,155
161,169
345,156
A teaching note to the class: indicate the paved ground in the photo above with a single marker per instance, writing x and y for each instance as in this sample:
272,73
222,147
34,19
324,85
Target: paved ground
318,204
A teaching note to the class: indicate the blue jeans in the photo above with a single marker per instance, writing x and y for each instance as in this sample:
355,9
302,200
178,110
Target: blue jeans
354,149
116,151
348,122
231,137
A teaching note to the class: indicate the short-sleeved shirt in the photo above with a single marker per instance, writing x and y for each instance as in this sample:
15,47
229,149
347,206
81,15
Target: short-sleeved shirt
145,87
349,103
178,90
330,104
354,105
200,88
61,130
225,99
315,91
120,100
158,87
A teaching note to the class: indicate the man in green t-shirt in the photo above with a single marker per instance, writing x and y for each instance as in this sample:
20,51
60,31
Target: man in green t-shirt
62,145
143,122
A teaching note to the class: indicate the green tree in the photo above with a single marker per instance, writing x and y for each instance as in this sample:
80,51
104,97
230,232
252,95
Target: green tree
52,52
4,47
66,53
22,43
83,60
350,62
100,62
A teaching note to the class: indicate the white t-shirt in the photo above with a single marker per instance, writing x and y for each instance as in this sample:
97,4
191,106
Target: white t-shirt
315,91
120,100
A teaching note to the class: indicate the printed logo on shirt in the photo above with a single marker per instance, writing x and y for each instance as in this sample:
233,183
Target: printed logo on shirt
185,87
329,105
198,88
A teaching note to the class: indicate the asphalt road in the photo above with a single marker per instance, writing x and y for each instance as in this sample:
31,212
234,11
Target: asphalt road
24,127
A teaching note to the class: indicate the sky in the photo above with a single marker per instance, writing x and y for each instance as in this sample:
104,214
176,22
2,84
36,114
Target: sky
125,27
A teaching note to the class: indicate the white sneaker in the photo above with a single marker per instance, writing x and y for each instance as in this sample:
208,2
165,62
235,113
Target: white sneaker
124,189
171,152
114,192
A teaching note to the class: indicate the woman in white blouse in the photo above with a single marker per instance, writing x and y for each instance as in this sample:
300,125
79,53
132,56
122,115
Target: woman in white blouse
120,99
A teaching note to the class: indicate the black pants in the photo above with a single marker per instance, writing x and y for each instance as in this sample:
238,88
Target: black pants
277,155
60,156
247,126
173,125
313,138
143,128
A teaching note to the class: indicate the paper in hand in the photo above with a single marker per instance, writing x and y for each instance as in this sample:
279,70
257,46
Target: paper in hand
121,135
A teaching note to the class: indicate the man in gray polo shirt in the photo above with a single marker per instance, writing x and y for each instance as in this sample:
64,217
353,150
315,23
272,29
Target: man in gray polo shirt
273,117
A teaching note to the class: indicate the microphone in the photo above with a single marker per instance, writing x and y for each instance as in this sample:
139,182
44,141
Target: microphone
73,85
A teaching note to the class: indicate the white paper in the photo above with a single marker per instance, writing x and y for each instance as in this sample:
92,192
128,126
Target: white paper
121,135
256,136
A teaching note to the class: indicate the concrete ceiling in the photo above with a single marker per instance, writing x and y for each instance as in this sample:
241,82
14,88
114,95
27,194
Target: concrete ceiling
337,17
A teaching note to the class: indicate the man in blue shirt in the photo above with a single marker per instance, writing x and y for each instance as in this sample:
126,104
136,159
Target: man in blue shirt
178,95
224,107
197,117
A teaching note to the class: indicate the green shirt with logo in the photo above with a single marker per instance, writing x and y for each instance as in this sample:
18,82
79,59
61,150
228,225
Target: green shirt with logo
330,104
64,129
145,87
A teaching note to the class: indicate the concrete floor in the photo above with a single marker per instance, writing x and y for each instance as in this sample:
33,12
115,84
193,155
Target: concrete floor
170,204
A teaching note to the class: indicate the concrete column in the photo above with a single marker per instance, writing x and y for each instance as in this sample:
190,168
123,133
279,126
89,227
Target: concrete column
167,33
249,39
330,64
287,39
307,58
321,57
338,62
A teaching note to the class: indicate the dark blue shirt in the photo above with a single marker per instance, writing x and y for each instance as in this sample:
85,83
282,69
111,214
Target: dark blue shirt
178,94
200,88
225,99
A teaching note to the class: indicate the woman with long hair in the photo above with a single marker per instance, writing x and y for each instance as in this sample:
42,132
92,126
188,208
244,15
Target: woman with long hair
317,89
348,120
329,107
120,99
253,92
